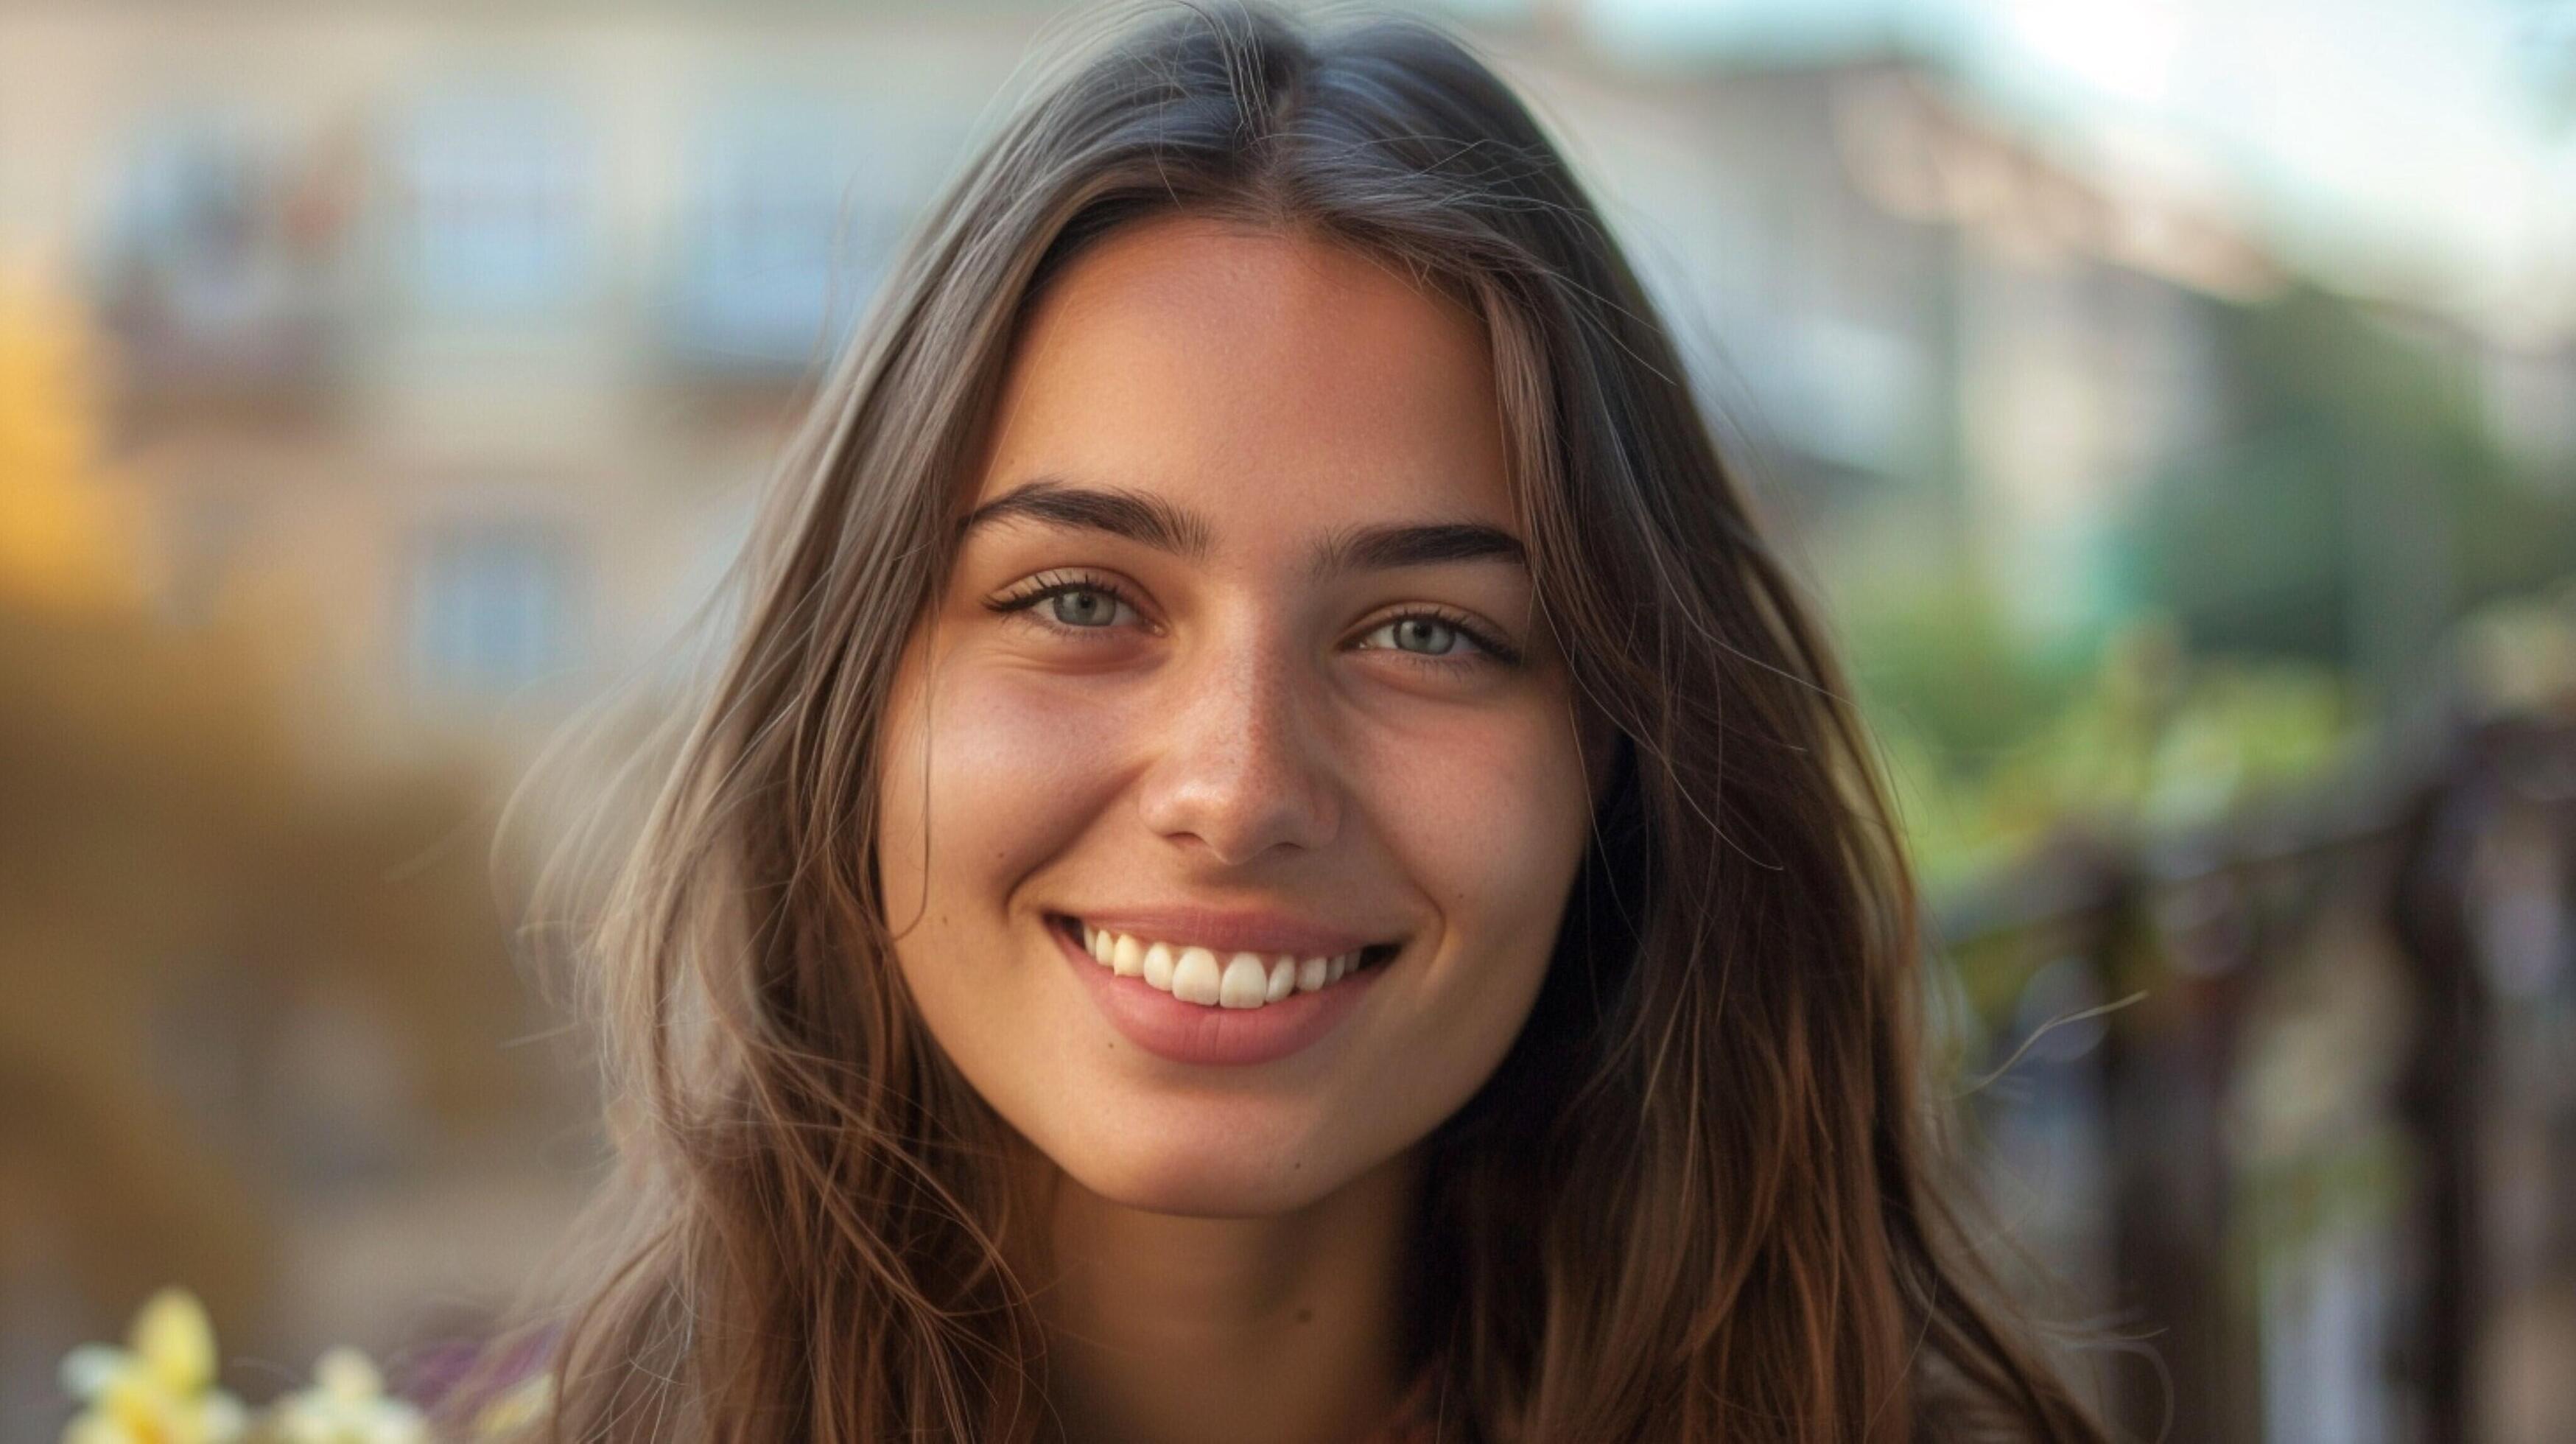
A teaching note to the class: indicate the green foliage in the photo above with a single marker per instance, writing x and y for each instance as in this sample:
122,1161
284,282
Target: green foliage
1936,658
2355,460
2286,578
2153,737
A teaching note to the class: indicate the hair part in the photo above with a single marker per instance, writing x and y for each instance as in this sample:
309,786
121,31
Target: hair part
1702,1196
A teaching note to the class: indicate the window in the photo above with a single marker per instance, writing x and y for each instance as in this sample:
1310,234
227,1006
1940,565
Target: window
215,265
491,605
495,184
782,238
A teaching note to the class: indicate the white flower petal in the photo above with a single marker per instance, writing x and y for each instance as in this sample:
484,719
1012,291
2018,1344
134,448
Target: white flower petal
87,1369
346,1374
221,1418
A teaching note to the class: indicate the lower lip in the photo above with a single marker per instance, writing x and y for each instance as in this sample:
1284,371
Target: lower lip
1193,1033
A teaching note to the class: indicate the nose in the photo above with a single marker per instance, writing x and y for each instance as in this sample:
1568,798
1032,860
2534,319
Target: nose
1237,768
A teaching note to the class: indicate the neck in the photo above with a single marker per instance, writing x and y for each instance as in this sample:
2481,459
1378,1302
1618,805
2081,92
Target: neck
1286,1329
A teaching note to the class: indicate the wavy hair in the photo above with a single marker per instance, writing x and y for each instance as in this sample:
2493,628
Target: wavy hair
1702,1198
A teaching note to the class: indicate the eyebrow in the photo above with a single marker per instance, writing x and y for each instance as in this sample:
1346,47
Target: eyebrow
1155,522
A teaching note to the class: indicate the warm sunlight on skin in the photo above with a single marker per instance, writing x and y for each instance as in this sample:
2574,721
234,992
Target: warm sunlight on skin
1231,731
1223,727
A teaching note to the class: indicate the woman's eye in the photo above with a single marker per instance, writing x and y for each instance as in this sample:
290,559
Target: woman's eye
1440,641
1083,607
1066,604
1428,636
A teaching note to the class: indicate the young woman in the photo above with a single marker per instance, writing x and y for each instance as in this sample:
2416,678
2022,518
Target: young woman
1274,857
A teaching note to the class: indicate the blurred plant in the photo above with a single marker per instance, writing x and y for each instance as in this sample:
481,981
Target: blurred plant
2357,499
2159,738
160,1389
1938,660
2154,737
518,1408
346,1405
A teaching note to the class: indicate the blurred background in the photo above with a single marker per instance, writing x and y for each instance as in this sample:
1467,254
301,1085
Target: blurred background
2173,404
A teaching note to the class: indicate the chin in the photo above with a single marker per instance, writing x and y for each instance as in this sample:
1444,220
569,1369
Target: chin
1226,1181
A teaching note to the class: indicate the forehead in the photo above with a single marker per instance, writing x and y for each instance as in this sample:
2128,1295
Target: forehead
1272,381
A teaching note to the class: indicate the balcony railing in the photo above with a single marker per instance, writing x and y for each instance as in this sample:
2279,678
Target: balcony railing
2308,1109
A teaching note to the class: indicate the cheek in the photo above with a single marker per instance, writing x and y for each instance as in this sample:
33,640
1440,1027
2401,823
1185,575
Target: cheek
1488,819
1010,776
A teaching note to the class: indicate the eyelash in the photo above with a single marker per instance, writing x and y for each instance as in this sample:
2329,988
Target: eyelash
1047,585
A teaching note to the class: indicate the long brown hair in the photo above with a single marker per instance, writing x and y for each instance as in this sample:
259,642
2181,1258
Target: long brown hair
1701,1199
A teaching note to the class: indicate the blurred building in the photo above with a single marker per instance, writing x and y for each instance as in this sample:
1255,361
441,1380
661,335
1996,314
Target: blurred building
442,356
1935,334
471,333
483,328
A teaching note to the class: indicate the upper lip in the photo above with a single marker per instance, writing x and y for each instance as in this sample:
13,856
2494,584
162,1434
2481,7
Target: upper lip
1231,929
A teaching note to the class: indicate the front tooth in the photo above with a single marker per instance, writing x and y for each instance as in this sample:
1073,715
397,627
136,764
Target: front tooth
1282,980
1244,982
1157,967
1195,977
1127,957
1310,974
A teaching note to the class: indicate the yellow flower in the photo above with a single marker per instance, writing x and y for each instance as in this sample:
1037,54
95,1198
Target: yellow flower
522,1406
157,1390
346,1405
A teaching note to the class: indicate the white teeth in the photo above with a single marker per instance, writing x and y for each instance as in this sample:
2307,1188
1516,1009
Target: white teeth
1195,976
1212,979
1243,983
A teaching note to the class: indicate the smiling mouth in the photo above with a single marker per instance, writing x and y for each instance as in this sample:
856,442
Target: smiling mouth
1217,977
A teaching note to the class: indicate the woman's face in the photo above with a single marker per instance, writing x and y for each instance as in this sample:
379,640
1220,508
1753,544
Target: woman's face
1240,658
